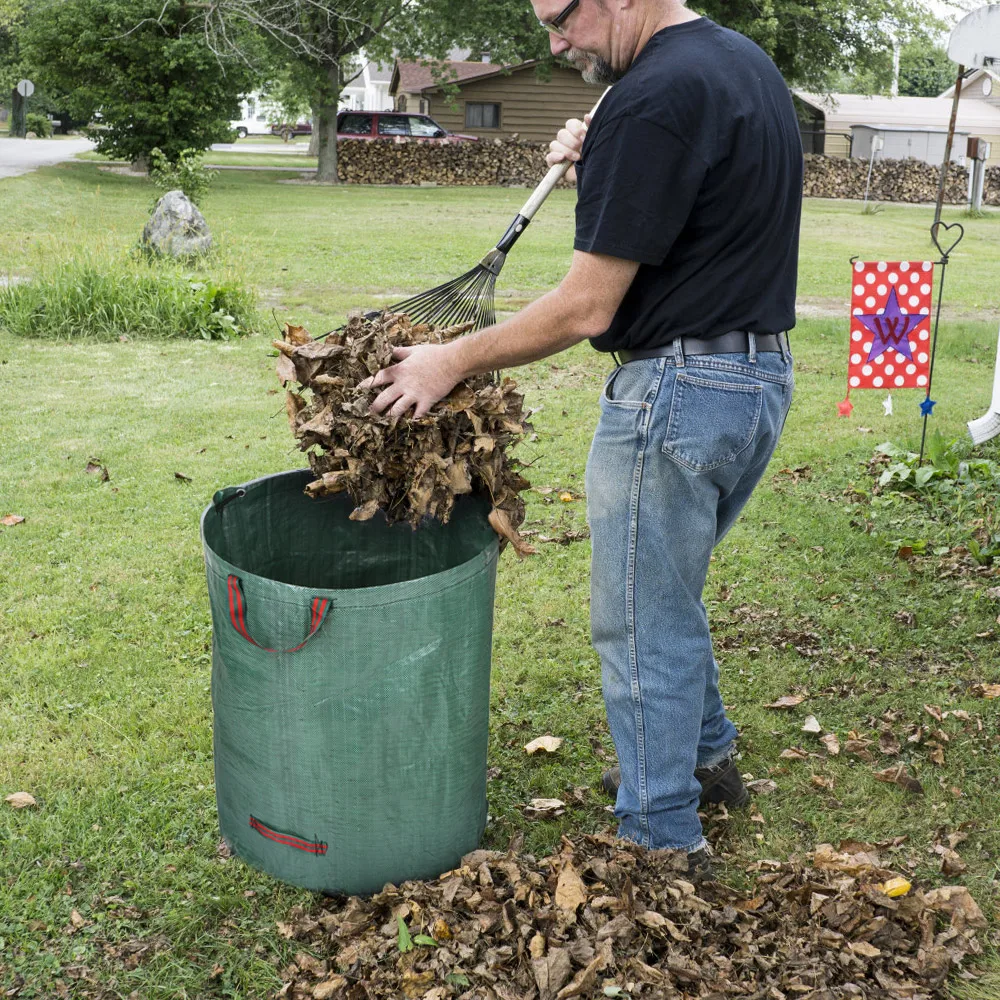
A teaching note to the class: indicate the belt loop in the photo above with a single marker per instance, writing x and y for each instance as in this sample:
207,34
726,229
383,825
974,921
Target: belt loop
781,347
752,345
678,352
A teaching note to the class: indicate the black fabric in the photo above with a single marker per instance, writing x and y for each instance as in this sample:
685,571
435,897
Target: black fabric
693,168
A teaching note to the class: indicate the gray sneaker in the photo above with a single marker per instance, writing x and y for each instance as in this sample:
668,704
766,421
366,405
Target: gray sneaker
719,783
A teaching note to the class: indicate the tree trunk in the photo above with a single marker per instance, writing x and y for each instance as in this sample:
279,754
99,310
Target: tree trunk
314,137
17,113
326,126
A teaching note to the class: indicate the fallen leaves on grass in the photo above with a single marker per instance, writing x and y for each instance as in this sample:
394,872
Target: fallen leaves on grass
787,701
548,743
544,808
986,690
898,775
9,520
407,468
95,467
606,918
811,725
20,800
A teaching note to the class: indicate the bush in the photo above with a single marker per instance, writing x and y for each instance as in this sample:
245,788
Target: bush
38,124
187,173
95,299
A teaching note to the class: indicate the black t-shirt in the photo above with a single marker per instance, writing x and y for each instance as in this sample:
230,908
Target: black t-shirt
693,167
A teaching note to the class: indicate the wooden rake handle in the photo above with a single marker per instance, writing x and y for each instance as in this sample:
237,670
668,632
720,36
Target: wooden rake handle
556,173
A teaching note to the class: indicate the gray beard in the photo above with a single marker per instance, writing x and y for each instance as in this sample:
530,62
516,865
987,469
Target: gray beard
598,70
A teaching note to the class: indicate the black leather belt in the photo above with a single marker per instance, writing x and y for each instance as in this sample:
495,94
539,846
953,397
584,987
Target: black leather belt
734,342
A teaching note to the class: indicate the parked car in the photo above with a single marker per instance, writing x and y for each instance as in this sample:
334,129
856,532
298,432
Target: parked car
389,124
286,129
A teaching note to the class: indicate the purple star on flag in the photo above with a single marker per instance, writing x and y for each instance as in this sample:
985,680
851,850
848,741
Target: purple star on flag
891,327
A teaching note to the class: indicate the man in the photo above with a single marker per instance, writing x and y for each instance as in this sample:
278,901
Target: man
689,192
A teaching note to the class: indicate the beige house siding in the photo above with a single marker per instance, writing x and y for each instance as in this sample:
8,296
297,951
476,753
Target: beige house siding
533,109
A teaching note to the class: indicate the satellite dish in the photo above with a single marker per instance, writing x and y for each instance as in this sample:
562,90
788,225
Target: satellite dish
975,40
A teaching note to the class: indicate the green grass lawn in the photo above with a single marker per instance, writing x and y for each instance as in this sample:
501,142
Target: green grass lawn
105,715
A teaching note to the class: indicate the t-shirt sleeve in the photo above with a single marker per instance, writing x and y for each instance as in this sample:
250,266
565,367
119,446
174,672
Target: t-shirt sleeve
639,183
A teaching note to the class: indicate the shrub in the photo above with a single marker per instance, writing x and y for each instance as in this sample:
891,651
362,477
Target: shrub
187,173
38,124
101,299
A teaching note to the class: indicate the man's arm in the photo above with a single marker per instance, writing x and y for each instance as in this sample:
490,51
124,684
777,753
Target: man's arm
581,306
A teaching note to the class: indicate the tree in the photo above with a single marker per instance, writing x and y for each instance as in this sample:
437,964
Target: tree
143,67
320,37
812,41
925,69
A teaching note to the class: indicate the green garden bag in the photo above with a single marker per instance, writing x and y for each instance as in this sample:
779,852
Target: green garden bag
350,685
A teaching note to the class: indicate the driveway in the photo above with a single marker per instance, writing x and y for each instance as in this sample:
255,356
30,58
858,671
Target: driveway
21,156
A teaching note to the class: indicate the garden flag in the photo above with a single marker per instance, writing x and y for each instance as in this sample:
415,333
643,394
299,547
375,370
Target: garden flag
890,327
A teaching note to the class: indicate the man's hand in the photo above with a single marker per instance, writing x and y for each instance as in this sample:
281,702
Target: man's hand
568,143
425,374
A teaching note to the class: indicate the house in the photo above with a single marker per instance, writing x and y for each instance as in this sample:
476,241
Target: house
845,124
495,101
369,90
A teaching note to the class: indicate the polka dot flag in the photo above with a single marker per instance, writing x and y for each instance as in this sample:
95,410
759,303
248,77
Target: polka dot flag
890,325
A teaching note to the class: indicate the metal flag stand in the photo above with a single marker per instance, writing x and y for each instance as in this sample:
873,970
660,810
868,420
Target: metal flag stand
927,406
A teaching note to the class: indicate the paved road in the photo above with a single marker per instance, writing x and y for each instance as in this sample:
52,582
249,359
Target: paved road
248,146
21,156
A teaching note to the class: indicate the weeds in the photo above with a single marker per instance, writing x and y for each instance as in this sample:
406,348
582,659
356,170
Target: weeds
948,501
124,298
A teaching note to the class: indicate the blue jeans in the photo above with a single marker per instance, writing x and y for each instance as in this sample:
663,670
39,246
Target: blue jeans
680,445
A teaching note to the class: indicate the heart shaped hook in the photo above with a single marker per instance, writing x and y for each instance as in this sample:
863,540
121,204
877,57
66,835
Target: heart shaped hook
934,236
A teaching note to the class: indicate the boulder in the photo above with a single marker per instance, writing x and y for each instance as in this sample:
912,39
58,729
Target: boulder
176,227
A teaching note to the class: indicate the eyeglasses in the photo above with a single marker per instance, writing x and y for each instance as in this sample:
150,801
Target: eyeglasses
555,25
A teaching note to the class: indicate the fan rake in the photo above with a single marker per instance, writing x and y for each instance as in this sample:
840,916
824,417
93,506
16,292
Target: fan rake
470,297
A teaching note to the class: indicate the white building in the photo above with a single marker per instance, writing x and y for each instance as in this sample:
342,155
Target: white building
369,90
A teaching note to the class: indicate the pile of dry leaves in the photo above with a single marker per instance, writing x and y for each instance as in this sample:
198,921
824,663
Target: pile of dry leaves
605,918
413,468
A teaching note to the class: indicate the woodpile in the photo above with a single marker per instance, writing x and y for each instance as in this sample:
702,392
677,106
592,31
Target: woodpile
512,162
892,180
502,162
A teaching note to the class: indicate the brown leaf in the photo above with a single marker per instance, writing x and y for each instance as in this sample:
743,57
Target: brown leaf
9,520
831,743
329,988
986,690
500,522
95,468
898,776
20,800
811,725
787,701
794,753
544,808
296,334
76,920
571,893
550,744
551,971
956,901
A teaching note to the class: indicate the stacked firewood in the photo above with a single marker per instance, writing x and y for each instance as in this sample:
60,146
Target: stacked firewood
907,180
503,162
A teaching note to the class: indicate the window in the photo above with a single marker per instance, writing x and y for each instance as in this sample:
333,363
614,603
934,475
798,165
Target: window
251,109
426,128
482,115
356,125
393,125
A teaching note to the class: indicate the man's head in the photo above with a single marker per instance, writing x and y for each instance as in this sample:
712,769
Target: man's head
602,37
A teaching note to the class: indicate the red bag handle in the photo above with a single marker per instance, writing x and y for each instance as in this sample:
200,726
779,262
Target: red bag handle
238,617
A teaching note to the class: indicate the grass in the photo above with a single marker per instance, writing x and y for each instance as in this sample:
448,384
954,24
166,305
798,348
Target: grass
105,635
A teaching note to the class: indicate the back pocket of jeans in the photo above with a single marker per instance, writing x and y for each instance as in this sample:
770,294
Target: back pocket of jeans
711,421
